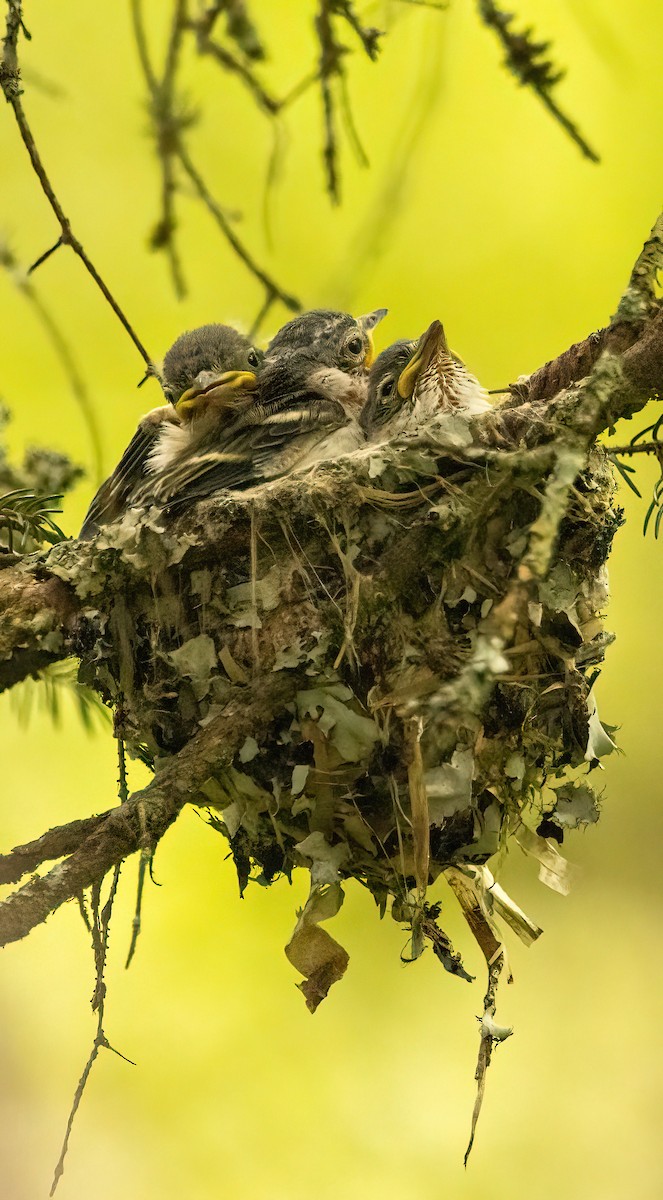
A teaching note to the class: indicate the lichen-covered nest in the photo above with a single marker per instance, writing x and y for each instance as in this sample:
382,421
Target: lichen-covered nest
382,669
438,691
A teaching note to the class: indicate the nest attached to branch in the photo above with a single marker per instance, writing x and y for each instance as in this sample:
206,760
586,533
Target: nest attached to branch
380,670
437,690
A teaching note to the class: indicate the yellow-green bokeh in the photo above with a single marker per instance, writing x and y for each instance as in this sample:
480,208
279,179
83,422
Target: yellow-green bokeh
476,209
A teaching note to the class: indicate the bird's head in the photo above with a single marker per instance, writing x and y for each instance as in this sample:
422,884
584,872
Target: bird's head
429,350
328,339
210,365
394,376
425,374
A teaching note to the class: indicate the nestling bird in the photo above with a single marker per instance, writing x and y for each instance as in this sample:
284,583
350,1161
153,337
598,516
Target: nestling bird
204,370
410,382
332,342
309,394
329,337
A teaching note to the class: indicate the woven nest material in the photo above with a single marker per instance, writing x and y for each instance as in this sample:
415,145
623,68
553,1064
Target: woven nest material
434,608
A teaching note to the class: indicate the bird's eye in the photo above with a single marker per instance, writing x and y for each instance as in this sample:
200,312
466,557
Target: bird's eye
386,388
356,344
253,357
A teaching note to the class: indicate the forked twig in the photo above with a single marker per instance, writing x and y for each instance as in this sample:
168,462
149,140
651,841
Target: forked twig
170,121
10,82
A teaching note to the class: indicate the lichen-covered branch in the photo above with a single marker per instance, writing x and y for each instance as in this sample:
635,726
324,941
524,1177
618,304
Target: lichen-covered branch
105,841
37,616
55,843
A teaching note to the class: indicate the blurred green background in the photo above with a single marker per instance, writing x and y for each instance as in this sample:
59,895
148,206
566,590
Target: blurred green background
477,209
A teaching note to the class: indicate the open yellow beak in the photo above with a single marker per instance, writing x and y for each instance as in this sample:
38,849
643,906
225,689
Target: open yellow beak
224,387
430,343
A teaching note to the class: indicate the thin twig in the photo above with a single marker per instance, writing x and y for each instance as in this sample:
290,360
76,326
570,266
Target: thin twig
60,345
329,66
10,82
171,146
206,45
489,1034
271,286
526,59
99,928
330,69
262,314
637,448
437,5
42,257
239,26
165,124
145,861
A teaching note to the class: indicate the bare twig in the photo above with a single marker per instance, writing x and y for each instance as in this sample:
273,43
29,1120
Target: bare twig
272,289
10,82
526,59
99,928
166,123
262,314
206,45
145,850
42,257
637,448
60,345
437,5
239,26
330,57
330,70
170,125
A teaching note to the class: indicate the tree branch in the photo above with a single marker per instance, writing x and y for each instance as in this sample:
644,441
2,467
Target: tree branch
526,59
330,69
117,834
60,345
55,843
10,82
170,121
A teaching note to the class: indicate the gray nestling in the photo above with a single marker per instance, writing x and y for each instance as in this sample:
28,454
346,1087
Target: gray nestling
203,370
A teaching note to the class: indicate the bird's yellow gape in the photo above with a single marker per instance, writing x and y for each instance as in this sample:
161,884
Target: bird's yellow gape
426,348
224,387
